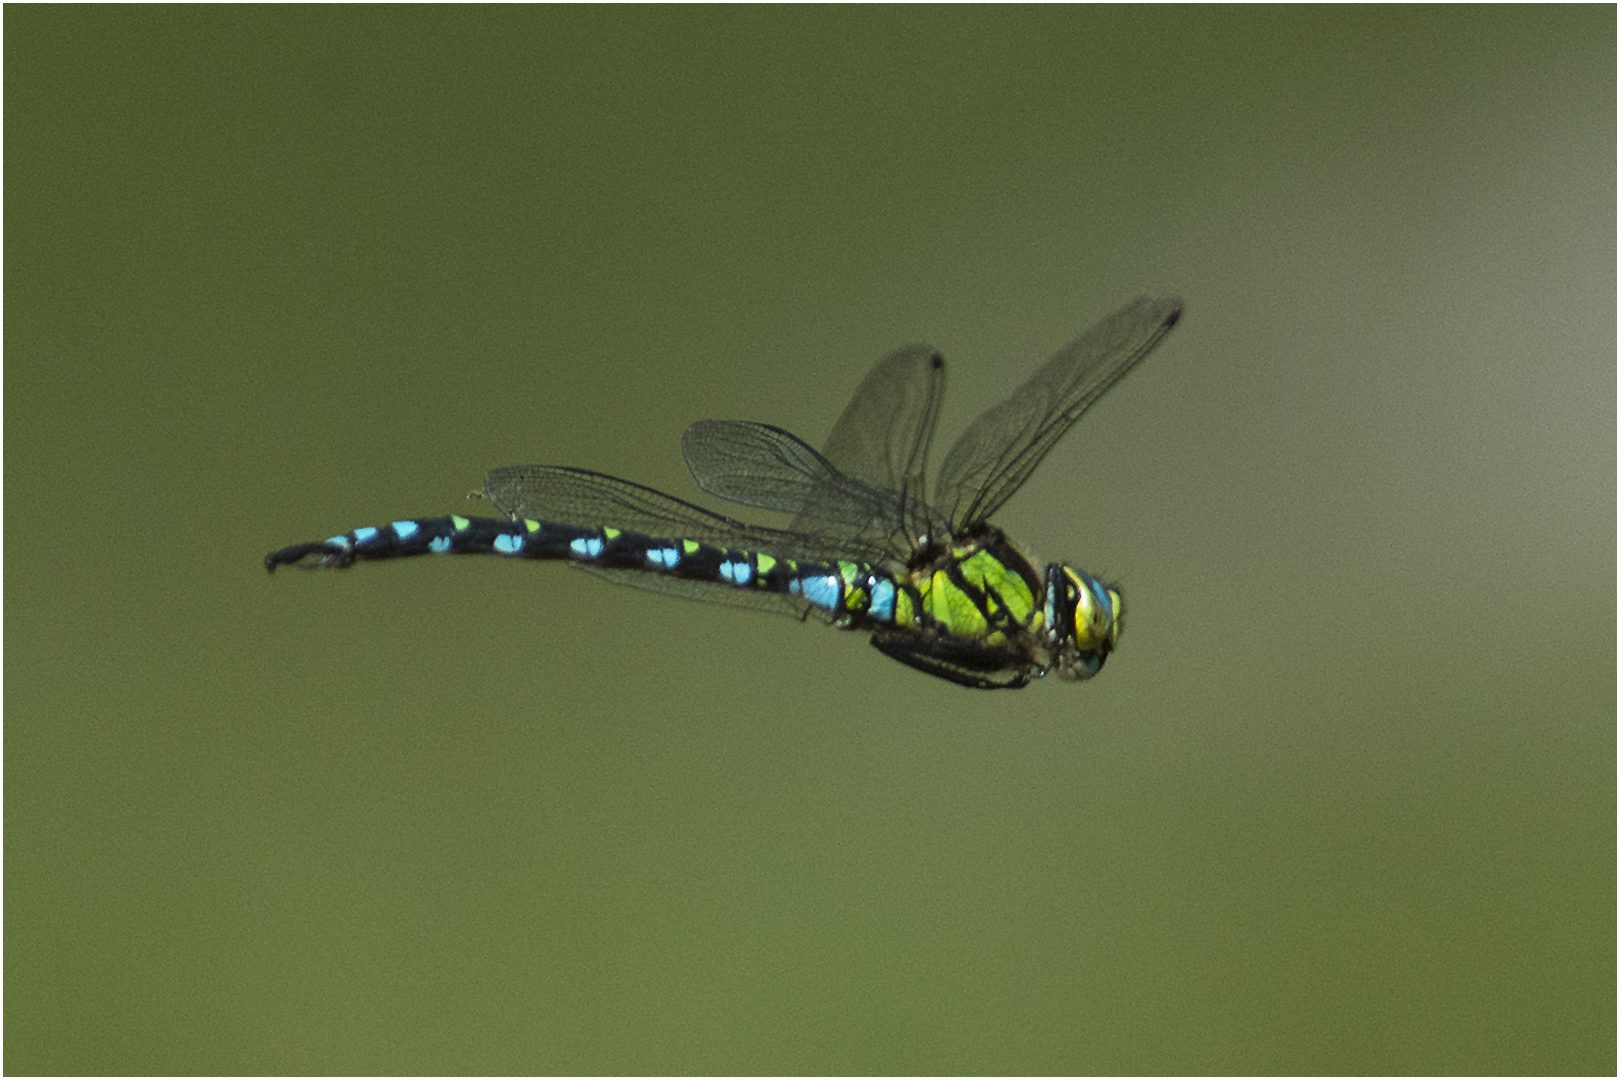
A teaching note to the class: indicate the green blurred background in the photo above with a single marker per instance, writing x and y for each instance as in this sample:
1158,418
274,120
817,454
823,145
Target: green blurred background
1343,801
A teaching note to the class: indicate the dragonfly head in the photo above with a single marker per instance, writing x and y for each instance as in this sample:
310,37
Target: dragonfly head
1082,617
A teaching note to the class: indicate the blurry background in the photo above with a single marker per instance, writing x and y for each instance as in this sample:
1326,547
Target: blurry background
1343,801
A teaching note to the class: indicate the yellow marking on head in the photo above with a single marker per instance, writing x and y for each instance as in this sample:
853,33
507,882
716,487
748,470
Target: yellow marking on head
1095,623
1085,612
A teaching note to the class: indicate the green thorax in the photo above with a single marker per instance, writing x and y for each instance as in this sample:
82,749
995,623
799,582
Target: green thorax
978,588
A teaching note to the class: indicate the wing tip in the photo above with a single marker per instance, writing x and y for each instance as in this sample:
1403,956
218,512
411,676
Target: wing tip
1171,307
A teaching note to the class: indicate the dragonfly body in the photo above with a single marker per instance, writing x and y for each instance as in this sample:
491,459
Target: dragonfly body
937,587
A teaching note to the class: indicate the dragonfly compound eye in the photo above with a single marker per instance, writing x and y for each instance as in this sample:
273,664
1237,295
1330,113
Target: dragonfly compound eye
1096,613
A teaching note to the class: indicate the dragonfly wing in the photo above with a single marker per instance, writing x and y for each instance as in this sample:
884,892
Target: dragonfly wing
883,436
590,499
1000,449
765,467
567,496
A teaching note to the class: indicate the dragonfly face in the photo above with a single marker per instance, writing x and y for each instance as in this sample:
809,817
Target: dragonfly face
1088,613
938,586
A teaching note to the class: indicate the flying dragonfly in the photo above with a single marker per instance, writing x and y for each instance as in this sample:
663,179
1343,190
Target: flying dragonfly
935,584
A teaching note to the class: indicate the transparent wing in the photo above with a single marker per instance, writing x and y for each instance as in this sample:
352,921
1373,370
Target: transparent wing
765,467
587,499
867,487
590,500
882,437
1000,449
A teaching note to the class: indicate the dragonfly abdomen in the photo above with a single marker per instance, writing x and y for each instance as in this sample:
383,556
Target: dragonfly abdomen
852,594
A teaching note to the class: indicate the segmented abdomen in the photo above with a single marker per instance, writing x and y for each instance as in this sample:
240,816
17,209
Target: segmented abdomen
852,594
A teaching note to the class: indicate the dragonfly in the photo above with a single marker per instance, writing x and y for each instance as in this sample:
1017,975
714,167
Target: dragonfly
867,548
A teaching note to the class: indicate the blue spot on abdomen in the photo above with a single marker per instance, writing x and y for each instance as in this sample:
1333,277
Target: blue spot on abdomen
586,547
822,591
883,599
